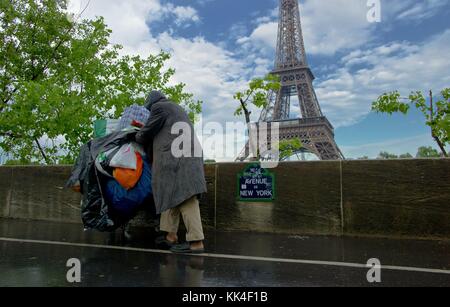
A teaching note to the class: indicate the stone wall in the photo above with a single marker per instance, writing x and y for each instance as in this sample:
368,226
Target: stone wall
409,198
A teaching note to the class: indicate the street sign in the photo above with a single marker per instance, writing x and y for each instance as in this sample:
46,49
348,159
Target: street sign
256,184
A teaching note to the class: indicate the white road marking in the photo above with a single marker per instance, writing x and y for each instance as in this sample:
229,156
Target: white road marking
234,257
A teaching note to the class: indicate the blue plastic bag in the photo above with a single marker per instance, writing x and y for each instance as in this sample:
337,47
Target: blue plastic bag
127,203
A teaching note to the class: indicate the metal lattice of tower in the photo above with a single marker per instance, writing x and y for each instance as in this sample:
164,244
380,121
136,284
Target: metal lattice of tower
311,126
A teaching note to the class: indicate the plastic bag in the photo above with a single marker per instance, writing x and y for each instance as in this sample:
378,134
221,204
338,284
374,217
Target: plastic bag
124,158
102,163
128,178
139,148
127,203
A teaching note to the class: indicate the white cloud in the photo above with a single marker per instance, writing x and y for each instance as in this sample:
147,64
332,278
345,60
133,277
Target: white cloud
333,26
265,34
129,19
213,73
209,71
346,95
417,11
184,15
328,26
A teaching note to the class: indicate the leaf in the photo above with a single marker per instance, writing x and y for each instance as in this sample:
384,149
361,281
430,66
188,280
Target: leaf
257,92
438,118
70,75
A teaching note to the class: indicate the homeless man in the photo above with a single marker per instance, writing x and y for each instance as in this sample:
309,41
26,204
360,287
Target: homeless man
178,179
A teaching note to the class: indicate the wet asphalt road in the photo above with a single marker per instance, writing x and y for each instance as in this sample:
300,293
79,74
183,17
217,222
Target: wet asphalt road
233,259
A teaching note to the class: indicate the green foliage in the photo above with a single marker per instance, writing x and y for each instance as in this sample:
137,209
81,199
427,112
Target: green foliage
20,163
406,156
423,152
390,103
386,155
58,75
256,93
288,148
437,115
427,152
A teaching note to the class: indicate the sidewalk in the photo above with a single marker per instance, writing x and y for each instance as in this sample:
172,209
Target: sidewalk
35,254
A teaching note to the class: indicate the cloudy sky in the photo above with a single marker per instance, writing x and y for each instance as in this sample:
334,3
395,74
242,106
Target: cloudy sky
218,45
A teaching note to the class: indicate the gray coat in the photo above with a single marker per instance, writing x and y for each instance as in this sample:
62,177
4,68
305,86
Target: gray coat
174,179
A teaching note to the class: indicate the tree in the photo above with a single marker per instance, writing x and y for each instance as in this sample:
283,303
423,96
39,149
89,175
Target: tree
427,152
406,156
19,162
59,74
288,148
256,94
387,156
437,113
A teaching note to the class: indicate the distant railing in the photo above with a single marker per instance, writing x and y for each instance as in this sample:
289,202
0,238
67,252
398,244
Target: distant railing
304,122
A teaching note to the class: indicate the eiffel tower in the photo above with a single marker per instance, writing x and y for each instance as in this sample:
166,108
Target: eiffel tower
312,128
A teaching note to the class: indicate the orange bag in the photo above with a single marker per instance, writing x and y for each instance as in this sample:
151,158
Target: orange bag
76,189
128,178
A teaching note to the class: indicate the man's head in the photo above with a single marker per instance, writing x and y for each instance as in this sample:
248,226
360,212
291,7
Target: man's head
153,98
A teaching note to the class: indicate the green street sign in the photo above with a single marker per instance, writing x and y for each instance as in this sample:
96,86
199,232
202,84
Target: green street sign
255,184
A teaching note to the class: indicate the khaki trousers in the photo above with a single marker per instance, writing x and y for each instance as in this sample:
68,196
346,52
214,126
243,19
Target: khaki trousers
190,211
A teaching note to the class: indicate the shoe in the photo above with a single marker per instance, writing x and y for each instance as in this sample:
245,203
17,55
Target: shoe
185,248
126,232
163,243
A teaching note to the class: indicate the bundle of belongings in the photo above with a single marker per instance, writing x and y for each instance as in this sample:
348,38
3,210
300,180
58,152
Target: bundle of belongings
114,176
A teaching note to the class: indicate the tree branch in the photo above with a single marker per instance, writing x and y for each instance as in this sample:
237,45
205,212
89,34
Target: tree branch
248,96
441,145
431,106
42,70
246,111
41,150
433,134
5,101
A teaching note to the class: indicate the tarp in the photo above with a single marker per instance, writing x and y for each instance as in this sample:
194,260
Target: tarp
95,211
